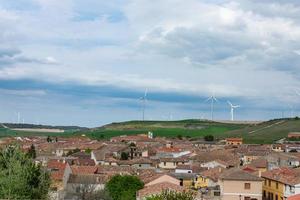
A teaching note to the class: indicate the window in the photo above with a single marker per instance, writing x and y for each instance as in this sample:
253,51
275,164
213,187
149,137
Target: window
265,182
247,198
181,182
276,185
165,163
269,183
276,197
247,186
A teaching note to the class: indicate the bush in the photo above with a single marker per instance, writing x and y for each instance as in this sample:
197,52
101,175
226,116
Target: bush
124,187
209,138
124,156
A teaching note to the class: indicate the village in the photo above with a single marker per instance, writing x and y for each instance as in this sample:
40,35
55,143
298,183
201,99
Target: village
216,170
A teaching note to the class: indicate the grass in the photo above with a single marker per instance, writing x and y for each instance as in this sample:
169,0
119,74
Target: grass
264,133
185,128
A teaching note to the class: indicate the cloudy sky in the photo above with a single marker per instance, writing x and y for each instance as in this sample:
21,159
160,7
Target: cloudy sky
88,62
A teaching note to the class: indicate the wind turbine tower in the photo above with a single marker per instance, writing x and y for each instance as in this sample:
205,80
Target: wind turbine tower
144,100
232,107
212,99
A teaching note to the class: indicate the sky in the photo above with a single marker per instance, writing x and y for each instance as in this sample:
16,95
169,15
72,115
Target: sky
88,62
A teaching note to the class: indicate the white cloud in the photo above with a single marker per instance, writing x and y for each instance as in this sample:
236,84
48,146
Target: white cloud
191,46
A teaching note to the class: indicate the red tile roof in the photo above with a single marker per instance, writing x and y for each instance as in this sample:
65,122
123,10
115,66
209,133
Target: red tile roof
57,169
159,188
294,197
84,169
284,175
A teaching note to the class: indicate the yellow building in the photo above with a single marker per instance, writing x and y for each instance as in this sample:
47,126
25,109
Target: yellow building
208,178
273,189
280,183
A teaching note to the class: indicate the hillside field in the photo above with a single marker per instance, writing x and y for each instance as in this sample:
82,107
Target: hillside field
258,133
265,132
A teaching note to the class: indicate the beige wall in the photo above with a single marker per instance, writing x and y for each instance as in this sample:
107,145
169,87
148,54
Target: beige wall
164,178
231,190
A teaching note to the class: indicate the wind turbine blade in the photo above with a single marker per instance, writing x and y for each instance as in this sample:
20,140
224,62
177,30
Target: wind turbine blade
209,98
229,103
146,91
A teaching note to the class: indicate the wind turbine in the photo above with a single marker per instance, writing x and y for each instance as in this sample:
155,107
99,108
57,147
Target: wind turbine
144,100
232,107
212,99
18,117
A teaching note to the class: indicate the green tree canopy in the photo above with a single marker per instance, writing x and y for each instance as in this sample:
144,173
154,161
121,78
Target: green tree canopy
20,178
171,195
124,156
124,187
209,138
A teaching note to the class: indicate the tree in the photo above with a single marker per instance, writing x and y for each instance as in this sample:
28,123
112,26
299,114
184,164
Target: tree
209,138
124,156
179,137
31,152
88,150
171,195
20,177
124,187
49,139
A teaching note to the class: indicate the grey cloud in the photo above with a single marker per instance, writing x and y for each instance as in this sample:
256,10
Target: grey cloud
11,56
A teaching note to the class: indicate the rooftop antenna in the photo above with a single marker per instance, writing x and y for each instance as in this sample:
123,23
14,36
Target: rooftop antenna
212,99
232,107
144,100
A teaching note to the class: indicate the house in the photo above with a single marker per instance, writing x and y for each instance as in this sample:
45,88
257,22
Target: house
139,163
261,164
277,160
294,135
236,184
59,174
234,141
84,169
278,147
169,151
292,148
281,183
108,151
208,178
160,178
249,156
214,163
186,179
184,169
133,138
172,163
79,185
157,189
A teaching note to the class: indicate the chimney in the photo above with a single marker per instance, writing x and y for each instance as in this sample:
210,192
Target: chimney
259,173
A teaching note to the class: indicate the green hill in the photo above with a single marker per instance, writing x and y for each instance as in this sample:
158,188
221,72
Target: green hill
259,133
185,128
265,132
